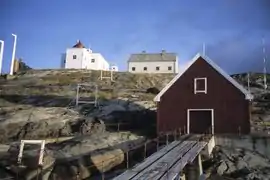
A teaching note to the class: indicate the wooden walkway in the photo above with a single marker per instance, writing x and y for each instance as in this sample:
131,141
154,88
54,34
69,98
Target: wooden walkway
166,163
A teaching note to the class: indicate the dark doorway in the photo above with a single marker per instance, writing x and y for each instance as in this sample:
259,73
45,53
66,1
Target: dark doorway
200,121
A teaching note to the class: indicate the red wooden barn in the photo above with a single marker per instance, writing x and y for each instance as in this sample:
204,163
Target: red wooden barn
203,98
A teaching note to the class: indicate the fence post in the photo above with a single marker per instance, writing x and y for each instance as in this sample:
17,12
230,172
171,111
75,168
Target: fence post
102,171
239,130
145,149
167,139
118,127
127,161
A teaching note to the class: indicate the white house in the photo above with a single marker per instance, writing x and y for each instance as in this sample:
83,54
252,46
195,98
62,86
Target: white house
79,57
162,62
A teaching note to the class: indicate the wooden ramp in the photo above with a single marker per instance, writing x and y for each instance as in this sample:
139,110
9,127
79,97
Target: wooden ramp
166,163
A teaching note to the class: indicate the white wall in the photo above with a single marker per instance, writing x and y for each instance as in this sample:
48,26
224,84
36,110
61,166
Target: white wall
84,60
151,67
74,63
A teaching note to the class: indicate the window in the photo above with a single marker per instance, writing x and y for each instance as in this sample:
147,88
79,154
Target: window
157,68
133,68
170,68
92,60
74,57
145,68
200,85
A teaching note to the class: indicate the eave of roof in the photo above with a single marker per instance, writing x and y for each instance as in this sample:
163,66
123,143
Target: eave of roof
248,95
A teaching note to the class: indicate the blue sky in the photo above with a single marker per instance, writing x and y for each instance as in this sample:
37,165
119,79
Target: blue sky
231,29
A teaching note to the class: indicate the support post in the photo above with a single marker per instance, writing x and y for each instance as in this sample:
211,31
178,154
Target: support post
127,161
200,165
145,149
102,171
167,139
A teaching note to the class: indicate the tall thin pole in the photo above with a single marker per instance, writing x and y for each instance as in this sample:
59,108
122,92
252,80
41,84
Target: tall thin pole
1,55
13,54
248,78
204,49
264,65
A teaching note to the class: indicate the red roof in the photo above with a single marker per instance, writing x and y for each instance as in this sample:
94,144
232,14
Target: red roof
78,45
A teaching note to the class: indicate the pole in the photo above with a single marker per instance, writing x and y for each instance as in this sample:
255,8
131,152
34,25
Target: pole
264,65
248,78
1,55
204,49
13,54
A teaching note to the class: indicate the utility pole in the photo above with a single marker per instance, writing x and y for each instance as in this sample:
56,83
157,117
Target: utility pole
13,54
264,65
1,55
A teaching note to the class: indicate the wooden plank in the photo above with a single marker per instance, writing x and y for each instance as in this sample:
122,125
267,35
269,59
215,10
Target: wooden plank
162,165
201,146
147,162
178,167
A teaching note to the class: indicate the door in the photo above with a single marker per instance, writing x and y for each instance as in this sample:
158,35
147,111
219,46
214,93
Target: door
200,121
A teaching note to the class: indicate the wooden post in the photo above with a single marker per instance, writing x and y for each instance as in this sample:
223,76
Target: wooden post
127,161
102,171
118,127
167,139
239,130
145,149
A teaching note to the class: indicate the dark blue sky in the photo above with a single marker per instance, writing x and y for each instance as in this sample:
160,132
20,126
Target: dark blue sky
231,29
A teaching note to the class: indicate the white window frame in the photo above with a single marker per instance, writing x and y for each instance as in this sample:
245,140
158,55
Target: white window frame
212,119
205,85
42,148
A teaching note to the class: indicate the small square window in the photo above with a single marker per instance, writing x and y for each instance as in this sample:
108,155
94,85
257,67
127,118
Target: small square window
157,68
200,85
145,68
170,68
133,68
74,57
92,60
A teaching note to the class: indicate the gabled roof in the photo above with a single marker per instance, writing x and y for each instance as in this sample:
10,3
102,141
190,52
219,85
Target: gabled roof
78,45
216,67
152,57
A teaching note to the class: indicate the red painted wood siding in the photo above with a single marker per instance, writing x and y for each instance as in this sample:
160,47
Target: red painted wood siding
231,109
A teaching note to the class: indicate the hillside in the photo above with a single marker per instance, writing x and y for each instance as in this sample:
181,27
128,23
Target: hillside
40,104
43,94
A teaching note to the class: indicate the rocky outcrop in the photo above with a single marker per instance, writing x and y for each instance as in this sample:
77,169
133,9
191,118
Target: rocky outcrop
82,156
240,164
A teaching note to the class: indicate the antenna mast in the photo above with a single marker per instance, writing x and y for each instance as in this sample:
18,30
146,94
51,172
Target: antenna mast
204,49
264,64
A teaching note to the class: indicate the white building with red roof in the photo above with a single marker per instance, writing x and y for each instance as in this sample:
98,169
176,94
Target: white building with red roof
79,57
